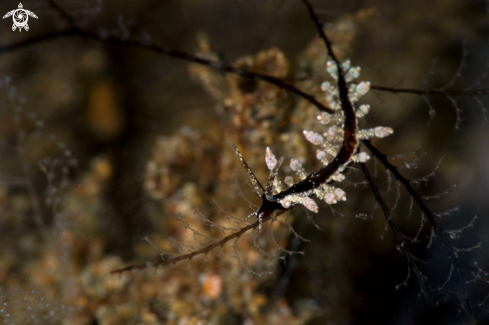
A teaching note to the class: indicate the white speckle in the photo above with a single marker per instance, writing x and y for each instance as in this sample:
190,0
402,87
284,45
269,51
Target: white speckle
324,118
330,198
382,131
354,72
339,177
320,155
340,194
270,159
286,203
310,204
295,164
346,65
289,180
313,137
325,86
331,68
362,110
363,157
331,133
362,88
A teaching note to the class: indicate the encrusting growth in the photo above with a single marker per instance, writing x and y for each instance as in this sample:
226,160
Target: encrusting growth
338,148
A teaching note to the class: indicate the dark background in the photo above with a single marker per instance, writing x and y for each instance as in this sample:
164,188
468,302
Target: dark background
110,101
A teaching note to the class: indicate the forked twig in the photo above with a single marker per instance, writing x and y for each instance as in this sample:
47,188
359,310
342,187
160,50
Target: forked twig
430,215
271,206
190,255
400,242
439,92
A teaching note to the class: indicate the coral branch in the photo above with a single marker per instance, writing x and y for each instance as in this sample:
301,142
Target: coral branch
153,47
190,255
430,215
439,92
400,242
350,142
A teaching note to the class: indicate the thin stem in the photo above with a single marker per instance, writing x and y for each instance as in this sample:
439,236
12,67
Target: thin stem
320,30
350,141
270,208
397,235
431,218
440,92
63,13
221,66
192,254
